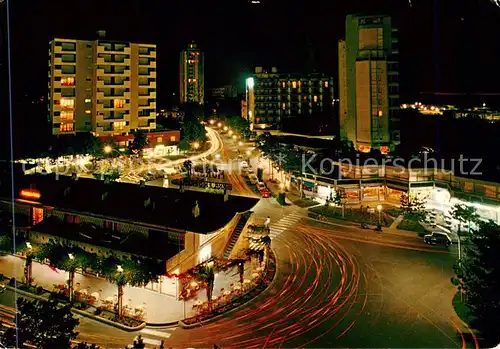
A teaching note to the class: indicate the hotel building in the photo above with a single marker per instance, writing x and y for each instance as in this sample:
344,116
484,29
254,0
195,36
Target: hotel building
272,96
369,83
101,86
191,75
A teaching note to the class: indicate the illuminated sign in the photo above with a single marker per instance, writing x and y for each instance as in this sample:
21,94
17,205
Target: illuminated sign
31,194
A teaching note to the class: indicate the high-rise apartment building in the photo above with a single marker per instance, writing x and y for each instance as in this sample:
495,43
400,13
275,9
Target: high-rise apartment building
272,97
191,75
369,83
101,86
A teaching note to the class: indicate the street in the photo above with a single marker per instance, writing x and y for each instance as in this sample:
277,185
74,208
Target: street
345,287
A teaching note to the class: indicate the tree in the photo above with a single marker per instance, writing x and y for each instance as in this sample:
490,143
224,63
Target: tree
477,277
43,324
207,276
464,214
266,240
139,142
413,207
191,127
187,166
340,199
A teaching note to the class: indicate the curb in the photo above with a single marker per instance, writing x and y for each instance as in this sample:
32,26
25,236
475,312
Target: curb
239,307
81,312
163,324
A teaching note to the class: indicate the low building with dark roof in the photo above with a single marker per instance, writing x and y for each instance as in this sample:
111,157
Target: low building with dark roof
180,228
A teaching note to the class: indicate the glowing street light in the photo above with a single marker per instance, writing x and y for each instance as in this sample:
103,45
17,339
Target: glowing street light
29,245
212,121
379,209
225,129
71,256
234,136
240,143
119,268
196,145
108,149
248,152
219,124
230,132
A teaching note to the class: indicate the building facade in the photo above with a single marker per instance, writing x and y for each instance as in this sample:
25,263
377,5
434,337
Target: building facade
224,92
191,75
101,86
272,97
369,83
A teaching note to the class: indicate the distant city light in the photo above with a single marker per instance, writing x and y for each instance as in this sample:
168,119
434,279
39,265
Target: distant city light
255,2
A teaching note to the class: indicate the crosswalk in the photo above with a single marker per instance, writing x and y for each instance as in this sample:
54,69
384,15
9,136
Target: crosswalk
153,338
283,224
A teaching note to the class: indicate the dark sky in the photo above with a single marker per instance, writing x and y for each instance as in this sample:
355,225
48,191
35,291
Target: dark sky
445,45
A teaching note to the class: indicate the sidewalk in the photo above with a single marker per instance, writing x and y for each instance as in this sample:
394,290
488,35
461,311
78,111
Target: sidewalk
158,307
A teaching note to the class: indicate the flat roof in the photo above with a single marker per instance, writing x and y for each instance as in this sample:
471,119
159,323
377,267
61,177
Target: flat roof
127,202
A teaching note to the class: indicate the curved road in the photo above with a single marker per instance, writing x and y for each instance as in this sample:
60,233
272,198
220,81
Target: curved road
345,287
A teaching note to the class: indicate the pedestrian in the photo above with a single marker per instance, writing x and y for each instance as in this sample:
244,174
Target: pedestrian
162,344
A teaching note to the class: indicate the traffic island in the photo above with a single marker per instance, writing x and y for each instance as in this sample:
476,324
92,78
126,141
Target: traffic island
462,310
237,300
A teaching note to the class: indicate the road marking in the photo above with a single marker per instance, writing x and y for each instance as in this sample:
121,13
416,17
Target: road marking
160,334
283,224
150,341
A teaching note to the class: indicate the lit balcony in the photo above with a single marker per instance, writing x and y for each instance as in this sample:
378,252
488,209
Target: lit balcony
103,49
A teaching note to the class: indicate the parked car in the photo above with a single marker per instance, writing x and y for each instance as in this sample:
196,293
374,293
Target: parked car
261,185
438,238
265,193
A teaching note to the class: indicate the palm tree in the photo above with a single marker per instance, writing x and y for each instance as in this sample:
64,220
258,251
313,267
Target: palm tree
266,240
206,274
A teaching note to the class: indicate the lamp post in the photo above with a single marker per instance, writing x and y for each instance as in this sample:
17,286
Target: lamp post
71,278
379,209
119,269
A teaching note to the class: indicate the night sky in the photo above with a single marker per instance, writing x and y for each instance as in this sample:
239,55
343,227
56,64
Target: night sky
451,46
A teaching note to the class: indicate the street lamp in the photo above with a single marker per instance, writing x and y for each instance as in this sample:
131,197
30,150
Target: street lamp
29,245
196,145
248,152
230,132
226,128
212,121
71,256
234,136
240,143
108,149
219,124
379,208
119,268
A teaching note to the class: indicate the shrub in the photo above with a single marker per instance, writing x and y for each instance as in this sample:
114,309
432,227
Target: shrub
98,311
12,282
39,290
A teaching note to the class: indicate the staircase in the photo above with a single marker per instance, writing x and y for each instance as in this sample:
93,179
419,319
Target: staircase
235,235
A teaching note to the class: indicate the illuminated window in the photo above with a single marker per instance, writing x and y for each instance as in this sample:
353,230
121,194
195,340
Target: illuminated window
326,83
118,103
87,112
66,115
37,215
380,113
294,84
68,81
299,83
172,139
67,103
66,128
305,98
159,139
119,125
88,100
315,98
283,106
283,84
